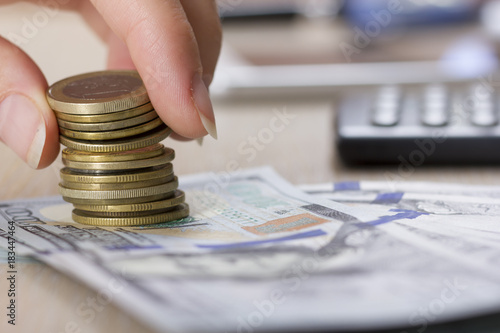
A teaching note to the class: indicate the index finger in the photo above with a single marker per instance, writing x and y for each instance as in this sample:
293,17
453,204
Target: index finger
164,50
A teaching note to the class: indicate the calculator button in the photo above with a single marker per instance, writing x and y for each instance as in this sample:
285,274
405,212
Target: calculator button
386,106
435,115
484,116
484,110
435,105
389,118
389,91
436,90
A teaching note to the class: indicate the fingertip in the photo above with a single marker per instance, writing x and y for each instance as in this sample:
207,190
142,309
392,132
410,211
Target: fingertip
29,131
27,124
204,19
51,145
207,79
162,45
203,105
45,145
119,55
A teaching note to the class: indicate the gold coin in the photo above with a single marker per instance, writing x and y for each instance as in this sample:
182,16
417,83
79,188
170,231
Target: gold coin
119,194
107,117
111,135
119,201
117,186
68,175
98,92
146,139
181,211
110,125
177,199
137,154
130,214
167,156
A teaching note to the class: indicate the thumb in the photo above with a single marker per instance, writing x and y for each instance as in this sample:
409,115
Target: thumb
27,124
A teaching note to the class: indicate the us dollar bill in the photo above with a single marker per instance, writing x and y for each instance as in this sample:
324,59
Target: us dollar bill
257,254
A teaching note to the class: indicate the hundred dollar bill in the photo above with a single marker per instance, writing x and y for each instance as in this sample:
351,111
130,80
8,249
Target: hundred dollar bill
432,198
402,186
4,254
462,218
257,254
249,209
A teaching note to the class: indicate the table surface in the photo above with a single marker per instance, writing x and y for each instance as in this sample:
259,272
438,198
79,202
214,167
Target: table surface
303,152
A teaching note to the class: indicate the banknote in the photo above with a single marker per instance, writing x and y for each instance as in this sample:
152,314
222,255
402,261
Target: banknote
241,210
19,258
257,254
403,186
433,198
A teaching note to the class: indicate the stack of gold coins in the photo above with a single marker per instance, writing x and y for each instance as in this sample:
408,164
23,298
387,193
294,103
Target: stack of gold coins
116,171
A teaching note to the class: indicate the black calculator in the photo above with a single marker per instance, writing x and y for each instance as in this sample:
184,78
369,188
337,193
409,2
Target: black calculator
434,123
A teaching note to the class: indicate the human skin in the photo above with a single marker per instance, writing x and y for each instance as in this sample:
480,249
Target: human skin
173,44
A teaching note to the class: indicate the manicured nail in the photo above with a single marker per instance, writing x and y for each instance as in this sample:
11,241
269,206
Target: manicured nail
203,105
207,79
36,149
22,128
200,141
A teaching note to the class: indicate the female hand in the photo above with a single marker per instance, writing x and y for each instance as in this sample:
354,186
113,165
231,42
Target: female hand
173,44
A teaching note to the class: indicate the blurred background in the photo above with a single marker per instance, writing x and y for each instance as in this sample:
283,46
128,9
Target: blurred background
332,43
293,57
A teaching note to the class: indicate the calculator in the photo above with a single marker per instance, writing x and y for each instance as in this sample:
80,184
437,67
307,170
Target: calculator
416,124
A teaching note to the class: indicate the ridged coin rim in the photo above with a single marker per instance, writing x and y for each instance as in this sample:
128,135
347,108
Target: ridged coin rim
179,197
60,102
119,194
167,156
146,139
125,177
181,212
107,117
128,155
112,135
109,125
120,201
117,186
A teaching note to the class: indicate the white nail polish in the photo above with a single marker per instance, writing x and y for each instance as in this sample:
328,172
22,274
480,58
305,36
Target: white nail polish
203,105
35,151
209,125
22,128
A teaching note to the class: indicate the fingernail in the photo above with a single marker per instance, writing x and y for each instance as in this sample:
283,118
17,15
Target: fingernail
207,79
203,105
200,141
36,149
22,128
